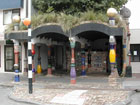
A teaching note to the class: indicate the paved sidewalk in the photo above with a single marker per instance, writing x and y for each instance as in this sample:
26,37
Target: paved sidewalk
57,90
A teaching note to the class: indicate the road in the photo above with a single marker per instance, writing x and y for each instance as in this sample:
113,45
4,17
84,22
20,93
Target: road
4,100
135,99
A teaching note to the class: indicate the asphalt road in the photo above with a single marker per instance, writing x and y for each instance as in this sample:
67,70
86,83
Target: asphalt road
135,99
4,100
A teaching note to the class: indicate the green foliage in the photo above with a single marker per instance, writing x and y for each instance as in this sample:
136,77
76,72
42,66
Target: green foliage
76,6
39,19
9,28
93,16
66,21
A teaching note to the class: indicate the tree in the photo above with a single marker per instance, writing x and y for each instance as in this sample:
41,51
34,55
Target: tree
76,6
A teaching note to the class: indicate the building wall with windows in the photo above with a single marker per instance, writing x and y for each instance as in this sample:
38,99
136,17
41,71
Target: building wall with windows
6,15
135,50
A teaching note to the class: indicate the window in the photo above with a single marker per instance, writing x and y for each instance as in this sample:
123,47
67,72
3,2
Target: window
9,14
135,52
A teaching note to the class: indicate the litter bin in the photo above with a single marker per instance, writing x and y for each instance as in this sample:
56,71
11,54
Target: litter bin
128,71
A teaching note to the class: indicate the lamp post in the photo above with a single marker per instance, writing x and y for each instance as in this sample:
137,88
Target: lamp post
111,12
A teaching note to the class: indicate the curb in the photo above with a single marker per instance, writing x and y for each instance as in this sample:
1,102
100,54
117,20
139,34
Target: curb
11,97
6,85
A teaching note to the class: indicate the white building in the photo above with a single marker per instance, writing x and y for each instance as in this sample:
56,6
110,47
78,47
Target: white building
8,9
134,20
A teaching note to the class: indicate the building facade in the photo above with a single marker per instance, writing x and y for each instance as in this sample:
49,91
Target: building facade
7,12
84,48
135,50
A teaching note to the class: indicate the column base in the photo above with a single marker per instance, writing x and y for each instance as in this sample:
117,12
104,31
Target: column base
83,73
114,73
49,71
39,69
73,81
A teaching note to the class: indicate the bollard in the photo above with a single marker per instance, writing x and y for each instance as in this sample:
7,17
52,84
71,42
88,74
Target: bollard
17,78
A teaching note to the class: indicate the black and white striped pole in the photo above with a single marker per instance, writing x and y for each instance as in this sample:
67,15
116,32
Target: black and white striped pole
27,22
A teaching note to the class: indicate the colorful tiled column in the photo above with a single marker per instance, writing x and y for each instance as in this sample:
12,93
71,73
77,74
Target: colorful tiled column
39,69
89,58
112,53
83,59
126,13
111,12
16,53
49,61
72,70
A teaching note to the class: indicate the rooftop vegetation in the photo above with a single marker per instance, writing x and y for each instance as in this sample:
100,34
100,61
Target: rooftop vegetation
65,21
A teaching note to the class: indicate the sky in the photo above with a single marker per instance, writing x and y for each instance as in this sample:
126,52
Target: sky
134,6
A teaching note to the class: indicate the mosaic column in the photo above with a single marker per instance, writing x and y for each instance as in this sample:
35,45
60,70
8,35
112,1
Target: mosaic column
126,13
49,61
16,53
72,70
128,34
25,60
89,58
39,69
111,12
83,59
33,66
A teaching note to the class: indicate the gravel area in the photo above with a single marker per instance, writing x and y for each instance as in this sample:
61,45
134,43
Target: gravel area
93,96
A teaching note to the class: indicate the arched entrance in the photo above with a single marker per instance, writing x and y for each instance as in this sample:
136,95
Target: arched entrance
97,41
50,45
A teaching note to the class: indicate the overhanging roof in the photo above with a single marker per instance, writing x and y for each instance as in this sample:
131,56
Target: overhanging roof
97,27
10,4
49,31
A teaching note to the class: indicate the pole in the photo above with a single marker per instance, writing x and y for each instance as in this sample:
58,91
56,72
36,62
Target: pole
29,50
